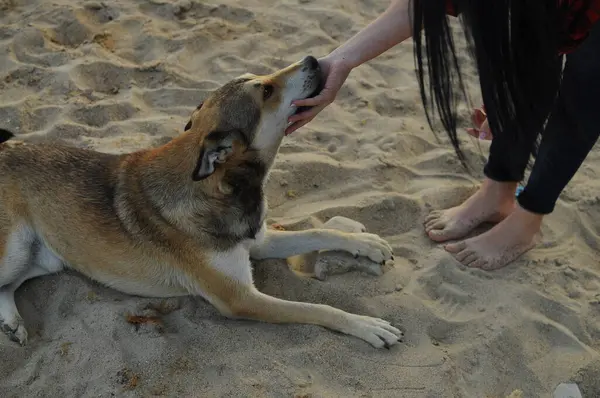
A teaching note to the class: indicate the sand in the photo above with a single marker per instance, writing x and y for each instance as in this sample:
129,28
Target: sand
121,75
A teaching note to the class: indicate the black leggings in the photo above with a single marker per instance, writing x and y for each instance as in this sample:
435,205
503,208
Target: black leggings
570,134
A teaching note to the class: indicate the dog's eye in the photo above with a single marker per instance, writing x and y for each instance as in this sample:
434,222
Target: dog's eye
267,92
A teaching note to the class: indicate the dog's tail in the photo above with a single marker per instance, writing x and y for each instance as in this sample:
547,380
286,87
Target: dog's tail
5,135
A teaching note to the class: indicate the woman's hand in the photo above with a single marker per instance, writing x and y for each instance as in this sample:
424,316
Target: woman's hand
335,72
393,26
482,128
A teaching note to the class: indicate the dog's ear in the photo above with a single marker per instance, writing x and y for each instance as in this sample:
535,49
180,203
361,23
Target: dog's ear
189,124
216,149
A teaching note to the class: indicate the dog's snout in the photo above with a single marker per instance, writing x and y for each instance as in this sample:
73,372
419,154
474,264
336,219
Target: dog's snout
311,62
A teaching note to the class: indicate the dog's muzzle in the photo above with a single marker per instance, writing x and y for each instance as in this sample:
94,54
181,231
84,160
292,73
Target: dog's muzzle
312,63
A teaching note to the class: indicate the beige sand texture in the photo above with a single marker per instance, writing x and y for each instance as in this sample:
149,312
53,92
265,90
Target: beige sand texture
121,75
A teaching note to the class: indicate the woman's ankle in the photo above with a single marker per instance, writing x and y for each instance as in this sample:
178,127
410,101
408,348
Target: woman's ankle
500,190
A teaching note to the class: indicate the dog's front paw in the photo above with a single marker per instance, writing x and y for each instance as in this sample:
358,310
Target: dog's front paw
375,331
372,246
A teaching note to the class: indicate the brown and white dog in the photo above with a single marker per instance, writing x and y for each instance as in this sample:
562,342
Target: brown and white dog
181,219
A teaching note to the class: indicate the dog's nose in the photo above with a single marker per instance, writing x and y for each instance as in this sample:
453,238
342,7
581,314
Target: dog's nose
311,62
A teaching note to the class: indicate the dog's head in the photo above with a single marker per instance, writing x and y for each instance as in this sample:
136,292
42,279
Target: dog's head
249,115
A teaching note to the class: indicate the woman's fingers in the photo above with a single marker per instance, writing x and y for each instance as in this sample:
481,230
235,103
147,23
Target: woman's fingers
335,74
295,126
318,100
473,132
302,118
485,135
482,127
307,114
479,117
325,97
479,134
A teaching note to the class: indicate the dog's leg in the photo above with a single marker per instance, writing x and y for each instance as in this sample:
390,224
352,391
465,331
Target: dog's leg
227,284
17,254
11,321
255,305
38,261
284,244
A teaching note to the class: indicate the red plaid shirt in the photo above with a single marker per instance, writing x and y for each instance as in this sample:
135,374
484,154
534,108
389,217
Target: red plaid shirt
581,16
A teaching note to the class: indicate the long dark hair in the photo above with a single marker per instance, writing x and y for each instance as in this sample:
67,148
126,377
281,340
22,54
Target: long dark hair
515,46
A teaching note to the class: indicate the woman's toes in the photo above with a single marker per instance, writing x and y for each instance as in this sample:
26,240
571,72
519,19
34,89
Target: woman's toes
455,247
438,235
470,259
435,224
434,215
462,255
479,263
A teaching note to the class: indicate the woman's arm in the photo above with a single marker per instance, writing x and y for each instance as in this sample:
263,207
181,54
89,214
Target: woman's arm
392,27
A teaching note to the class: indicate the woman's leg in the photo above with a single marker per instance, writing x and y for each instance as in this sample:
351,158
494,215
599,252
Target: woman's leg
570,134
495,200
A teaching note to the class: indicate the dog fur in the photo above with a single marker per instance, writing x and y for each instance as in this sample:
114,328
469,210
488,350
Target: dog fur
181,219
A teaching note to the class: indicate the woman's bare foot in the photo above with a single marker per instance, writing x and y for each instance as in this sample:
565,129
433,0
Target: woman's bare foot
493,202
502,244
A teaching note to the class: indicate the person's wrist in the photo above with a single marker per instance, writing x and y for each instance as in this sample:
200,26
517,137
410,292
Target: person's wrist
340,61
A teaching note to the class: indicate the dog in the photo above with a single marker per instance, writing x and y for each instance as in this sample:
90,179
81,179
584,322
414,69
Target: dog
185,218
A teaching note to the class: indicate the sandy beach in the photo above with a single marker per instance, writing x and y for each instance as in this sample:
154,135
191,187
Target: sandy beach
117,76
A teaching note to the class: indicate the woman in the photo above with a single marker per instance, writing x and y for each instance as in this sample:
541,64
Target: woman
519,47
